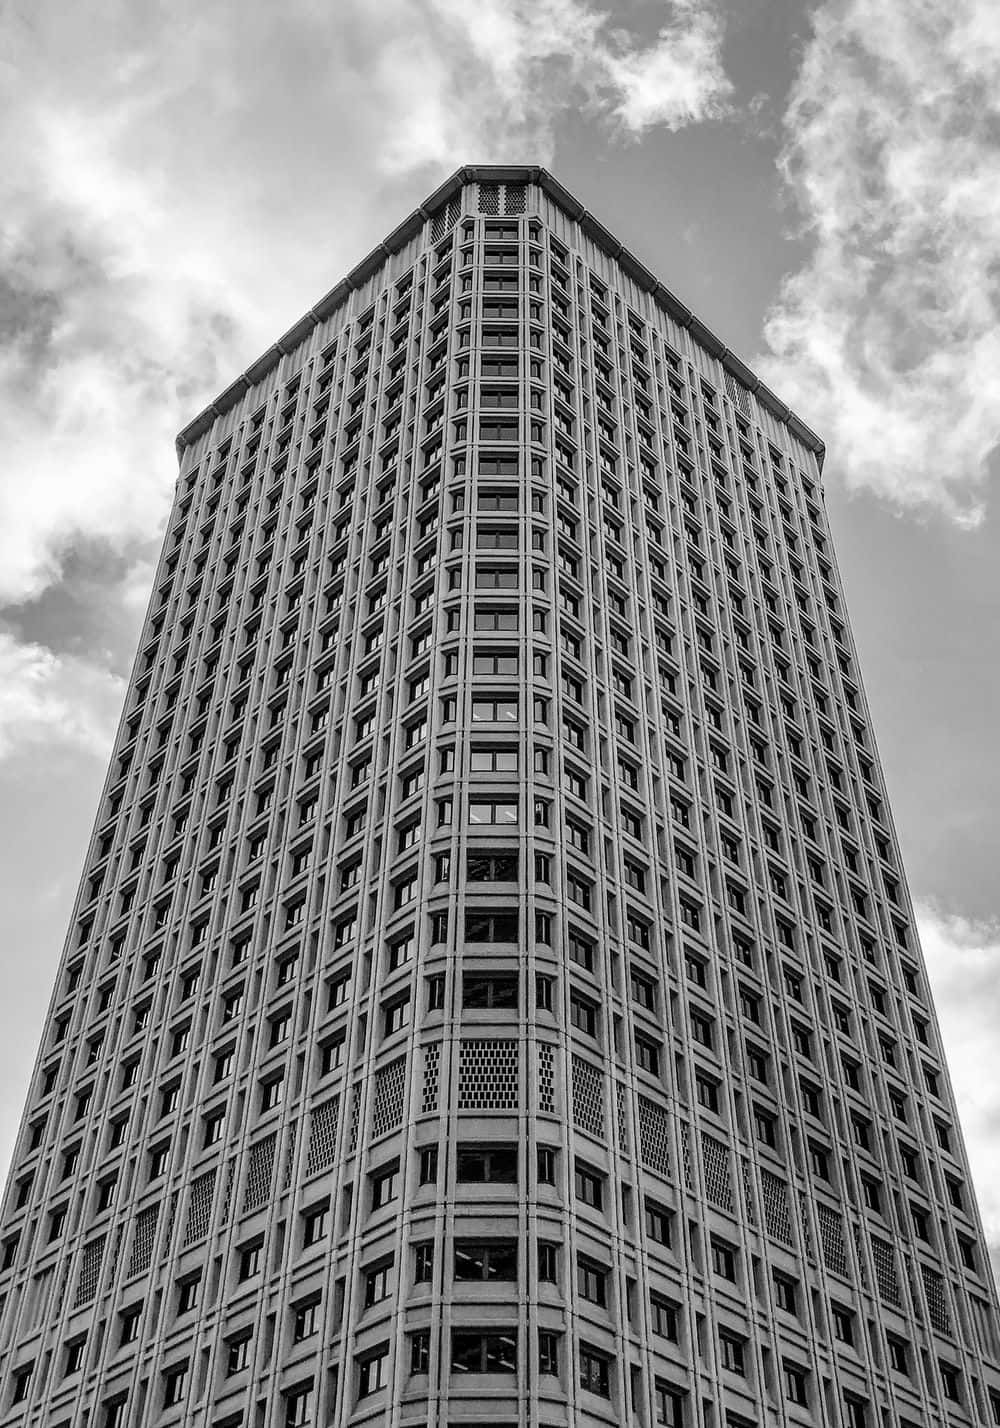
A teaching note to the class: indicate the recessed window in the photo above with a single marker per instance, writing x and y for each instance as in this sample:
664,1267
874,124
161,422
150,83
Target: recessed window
494,1164
474,1352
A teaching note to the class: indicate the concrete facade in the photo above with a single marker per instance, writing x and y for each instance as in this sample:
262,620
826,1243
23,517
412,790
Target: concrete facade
493,995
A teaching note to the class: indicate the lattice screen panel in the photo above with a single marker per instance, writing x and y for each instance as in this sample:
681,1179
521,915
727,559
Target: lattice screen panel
322,1150
654,1136
588,1097
488,1075
390,1090
199,1216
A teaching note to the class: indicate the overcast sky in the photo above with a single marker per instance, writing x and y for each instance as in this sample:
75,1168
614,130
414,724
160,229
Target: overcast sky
819,181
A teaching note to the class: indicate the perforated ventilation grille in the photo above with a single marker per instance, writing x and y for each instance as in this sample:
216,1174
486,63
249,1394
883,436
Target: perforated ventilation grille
515,198
621,1112
831,1239
322,1150
260,1169
546,1078
355,1116
777,1216
487,1076
489,198
718,1181
748,1195
886,1278
168,1234
228,1198
859,1257
937,1300
738,394
199,1215
390,1088
432,1073
90,1271
142,1241
654,1136
588,1097
807,1245
686,1157
293,1131
445,219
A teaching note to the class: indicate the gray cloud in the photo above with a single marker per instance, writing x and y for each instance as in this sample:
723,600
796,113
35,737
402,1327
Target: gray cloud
963,963
178,183
889,338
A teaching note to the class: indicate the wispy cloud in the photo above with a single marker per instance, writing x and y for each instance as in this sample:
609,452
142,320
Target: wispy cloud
178,183
963,962
888,339
49,698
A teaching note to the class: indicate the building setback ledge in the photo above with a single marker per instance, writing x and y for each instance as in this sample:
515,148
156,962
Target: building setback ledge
412,225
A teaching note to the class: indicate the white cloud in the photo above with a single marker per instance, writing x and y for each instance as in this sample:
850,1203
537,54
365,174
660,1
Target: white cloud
888,339
963,963
178,183
45,697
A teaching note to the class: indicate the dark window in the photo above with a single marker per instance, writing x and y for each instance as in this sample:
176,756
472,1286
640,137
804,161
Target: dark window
476,1352
589,1186
494,1164
486,1260
490,989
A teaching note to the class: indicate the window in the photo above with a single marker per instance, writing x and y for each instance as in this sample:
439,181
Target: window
493,1164
950,1381
589,1186
785,1292
423,1263
669,1405
250,1260
491,927
545,1165
591,1281
583,1014
174,1381
493,812
314,1224
477,1352
843,1323
384,1184
898,1354
663,1317
489,1261
129,1320
378,1283
731,1352
548,1257
305,1320
723,1259
490,989
595,1371
76,1352
298,1406
657,1222
794,1380
114,1412
373,1371
22,1382
491,867
420,1351
187,1293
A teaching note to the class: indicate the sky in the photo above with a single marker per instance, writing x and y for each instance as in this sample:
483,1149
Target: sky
819,180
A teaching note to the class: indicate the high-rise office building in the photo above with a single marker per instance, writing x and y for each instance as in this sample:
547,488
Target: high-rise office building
493,996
